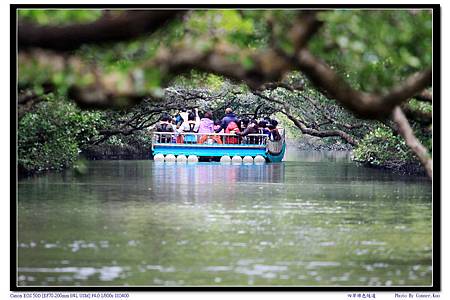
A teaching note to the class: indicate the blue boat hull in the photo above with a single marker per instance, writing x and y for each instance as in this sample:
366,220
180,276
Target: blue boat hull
217,151
276,157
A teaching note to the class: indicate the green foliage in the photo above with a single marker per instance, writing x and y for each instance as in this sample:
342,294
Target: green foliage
197,79
292,131
129,55
375,49
420,106
141,139
120,59
381,148
50,137
59,16
372,49
239,28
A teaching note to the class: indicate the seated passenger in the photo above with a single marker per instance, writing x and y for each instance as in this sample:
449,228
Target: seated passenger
191,125
263,127
217,126
244,124
206,123
164,126
207,126
274,134
175,134
239,124
229,117
252,128
232,128
180,118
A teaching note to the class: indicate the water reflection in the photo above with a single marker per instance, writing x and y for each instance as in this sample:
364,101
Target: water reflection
203,181
302,223
208,173
294,154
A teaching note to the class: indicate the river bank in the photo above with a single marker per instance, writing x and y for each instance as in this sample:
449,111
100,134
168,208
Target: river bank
315,144
115,152
312,143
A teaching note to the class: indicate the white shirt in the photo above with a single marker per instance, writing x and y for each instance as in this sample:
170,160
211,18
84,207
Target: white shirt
186,128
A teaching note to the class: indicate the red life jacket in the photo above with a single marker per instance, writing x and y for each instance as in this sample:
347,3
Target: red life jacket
232,126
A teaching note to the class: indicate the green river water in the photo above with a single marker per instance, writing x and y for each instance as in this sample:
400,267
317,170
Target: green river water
314,220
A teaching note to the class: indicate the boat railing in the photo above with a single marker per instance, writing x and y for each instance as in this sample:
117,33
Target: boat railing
216,139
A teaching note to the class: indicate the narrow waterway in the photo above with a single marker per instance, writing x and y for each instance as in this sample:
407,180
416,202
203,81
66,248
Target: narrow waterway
316,219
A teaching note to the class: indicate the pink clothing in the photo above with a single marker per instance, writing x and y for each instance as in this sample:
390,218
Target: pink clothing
206,126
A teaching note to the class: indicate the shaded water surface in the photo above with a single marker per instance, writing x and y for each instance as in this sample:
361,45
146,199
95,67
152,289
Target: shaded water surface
316,219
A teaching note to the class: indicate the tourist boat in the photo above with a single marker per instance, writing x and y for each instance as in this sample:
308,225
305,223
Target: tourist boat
193,147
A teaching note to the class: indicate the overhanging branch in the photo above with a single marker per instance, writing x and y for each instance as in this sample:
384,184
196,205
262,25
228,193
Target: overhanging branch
110,28
320,133
369,106
266,66
405,130
302,126
425,96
